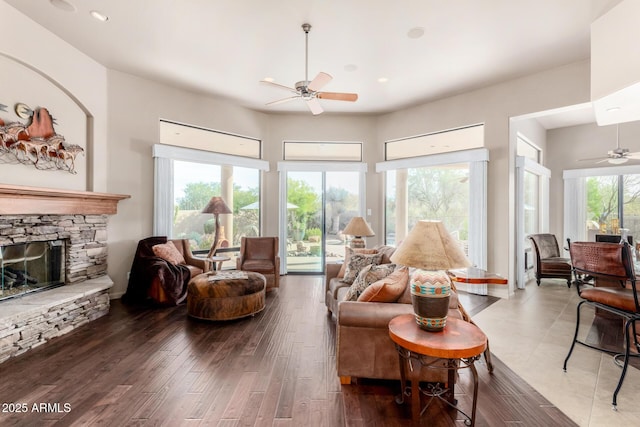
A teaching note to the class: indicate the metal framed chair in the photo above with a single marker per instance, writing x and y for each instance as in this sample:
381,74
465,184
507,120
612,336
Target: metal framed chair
613,262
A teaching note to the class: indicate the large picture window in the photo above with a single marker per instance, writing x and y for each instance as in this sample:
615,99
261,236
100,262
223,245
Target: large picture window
602,201
193,186
450,187
186,179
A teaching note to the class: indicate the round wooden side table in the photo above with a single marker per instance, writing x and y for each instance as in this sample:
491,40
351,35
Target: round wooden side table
460,343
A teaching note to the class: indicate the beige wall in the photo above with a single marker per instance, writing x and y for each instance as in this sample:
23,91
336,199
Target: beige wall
566,145
135,107
83,79
493,106
127,110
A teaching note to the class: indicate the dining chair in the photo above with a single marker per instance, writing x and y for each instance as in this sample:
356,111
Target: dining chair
613,262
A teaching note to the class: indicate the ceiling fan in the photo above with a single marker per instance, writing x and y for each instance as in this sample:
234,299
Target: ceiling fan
617,156
309,91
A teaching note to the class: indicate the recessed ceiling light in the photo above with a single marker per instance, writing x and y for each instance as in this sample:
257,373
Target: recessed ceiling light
63,5
415,33
350,67
99,16
269,79
383,79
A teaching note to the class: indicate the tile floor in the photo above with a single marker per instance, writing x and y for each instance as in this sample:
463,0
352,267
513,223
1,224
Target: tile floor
531,333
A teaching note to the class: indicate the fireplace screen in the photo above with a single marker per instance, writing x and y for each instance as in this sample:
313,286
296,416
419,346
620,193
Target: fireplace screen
30,267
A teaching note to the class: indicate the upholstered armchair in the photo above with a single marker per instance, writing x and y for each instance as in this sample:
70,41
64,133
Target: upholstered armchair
260,254
548,264
160,272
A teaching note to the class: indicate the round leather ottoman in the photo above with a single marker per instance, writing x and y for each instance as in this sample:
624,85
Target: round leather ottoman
225,295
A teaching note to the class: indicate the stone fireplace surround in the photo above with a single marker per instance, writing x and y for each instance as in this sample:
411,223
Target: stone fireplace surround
80,218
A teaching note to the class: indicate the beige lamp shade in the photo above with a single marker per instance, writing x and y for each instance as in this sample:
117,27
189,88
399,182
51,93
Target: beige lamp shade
430,249
429,246
357,228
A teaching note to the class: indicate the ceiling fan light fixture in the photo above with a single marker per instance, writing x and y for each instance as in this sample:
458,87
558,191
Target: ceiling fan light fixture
618,160
63,5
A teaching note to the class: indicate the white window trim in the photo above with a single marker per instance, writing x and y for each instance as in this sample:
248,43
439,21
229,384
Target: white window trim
525,164
164,156
477,158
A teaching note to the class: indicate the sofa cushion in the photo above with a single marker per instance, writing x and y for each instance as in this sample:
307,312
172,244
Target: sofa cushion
347,256
168,252
386,252
335,285
387,289
367,276
356,263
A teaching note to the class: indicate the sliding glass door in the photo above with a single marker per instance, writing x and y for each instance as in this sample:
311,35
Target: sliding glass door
316,206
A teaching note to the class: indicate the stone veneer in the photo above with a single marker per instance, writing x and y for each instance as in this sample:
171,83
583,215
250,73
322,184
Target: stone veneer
30,320
86,237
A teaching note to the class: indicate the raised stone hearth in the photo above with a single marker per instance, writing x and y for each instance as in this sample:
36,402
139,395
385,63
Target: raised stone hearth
32,320
79,218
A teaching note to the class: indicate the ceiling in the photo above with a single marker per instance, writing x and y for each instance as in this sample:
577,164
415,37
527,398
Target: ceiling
224,48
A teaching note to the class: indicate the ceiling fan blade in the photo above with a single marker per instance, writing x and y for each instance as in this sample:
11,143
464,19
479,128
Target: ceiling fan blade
290,89
634,156
319,82
338,96
282,101
593,159
314,106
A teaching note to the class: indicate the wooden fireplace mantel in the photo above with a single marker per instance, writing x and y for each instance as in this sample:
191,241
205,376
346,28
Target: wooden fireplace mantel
19,200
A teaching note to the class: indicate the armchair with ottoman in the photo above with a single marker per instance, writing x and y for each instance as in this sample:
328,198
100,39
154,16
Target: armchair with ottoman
363,347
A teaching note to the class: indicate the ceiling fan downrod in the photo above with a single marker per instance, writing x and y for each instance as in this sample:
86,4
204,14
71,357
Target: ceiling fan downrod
306,27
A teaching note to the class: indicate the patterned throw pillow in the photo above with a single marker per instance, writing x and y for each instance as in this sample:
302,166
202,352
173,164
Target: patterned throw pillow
168,252
387,289
367,276
356,263
347,256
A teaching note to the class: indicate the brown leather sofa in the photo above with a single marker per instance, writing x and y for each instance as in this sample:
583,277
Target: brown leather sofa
260,255
363,347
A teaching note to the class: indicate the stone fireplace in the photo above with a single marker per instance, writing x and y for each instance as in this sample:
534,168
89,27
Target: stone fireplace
67,224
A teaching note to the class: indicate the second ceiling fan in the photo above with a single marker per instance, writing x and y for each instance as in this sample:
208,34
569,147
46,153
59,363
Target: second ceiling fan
309,91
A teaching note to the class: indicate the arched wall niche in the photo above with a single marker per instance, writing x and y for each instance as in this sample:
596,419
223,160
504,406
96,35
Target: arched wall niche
21,83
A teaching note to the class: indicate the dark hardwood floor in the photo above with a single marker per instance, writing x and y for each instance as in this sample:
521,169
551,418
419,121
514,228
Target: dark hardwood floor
156,366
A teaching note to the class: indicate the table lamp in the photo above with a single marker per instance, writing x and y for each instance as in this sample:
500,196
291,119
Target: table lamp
431,250
358,228
216,206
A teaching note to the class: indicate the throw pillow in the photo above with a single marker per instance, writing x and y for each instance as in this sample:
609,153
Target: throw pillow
368,275
405,298
356,263
347,256
387,289
168,252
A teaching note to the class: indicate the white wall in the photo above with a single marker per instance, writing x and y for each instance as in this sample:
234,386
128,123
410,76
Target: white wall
135,107
126,127
493,106
72,71
565,146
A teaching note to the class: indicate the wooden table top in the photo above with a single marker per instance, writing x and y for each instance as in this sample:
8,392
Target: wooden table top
458,339
476,275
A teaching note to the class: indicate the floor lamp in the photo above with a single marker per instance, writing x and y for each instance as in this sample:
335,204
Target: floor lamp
216,206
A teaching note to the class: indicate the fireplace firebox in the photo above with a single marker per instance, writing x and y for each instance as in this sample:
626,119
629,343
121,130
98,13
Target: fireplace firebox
31,267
